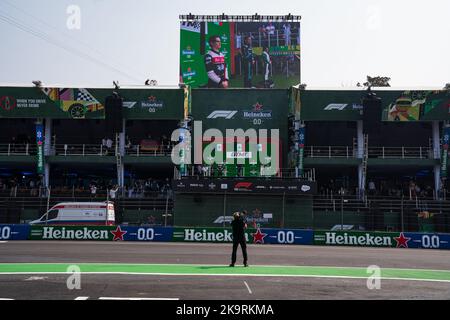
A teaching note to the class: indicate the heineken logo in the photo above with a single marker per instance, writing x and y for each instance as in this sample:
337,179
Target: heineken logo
152,102
204,235
257,112
358,240
54,233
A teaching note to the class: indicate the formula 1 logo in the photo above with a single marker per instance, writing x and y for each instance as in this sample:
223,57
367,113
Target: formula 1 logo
222,114
243,185
336,106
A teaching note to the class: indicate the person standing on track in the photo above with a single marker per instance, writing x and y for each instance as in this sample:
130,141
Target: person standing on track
238,224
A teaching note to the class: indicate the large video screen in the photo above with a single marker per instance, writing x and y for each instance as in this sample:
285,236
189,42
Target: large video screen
240,54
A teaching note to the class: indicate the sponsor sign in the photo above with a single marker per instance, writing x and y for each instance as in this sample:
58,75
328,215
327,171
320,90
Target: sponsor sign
148,233
382,239
245,186
14,231
207,234
40,148
255,236
283,236
91,233
428,240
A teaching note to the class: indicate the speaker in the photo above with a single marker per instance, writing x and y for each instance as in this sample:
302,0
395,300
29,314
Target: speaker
371,115
113,115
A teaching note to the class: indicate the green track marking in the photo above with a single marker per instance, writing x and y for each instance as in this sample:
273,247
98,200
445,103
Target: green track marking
190,269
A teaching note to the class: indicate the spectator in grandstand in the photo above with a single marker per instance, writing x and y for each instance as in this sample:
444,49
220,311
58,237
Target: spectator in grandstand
215,65
247,57
238,224
372,188
113,192
93,189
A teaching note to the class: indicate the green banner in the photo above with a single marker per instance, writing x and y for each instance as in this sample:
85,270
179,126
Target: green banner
105,233
56,103
208,234
165,104
359,238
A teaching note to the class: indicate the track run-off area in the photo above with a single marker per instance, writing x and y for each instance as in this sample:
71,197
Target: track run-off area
119,270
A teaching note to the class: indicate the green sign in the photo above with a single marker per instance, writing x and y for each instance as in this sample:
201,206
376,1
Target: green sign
72,233
165,104
57,103
358,238
208,234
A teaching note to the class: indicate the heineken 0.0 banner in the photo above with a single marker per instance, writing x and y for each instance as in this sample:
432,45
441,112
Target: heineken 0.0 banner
444,156
40,148
382,239
240,54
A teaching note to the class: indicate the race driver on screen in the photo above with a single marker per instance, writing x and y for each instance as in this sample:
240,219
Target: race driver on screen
215,65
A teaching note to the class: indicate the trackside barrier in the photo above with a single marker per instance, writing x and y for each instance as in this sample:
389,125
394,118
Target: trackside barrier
383,239
14,232
224,235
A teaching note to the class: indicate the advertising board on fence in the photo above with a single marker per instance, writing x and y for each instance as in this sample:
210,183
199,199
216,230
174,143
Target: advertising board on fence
382,239
14,231
100,233
262,236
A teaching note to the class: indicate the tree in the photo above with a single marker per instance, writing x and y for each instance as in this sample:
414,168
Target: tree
377,81
447,86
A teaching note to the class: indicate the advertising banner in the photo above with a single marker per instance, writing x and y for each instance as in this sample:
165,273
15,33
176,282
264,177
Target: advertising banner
444,155
428,240
381,239
245,186
40,148
14,231
240,54
147,233
91,233
253,236
165,104
56,103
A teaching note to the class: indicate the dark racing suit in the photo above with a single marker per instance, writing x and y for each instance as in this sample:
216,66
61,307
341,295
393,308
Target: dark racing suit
216,68
247,57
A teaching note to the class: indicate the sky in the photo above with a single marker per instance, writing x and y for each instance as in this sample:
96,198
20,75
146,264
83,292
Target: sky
91,43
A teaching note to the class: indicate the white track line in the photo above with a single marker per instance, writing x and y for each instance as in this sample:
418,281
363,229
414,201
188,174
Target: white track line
81,298
117,298
248,288
3,241
228,275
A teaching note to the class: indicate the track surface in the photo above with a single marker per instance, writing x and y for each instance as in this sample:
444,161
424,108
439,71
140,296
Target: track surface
218,282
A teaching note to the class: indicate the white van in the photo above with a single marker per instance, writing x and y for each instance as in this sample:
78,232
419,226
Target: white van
78,213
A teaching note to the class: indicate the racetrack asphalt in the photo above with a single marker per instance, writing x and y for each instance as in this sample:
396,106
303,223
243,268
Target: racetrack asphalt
199,271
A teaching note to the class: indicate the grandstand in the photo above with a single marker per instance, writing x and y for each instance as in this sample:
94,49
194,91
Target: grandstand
372,160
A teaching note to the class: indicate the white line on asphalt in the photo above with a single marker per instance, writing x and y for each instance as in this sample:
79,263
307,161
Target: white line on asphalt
6,299
117,298
248,288
3,241
228,275
81,298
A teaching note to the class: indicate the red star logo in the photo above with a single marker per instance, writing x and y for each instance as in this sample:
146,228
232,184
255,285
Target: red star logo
39,143
402,241
152,98
257,106
118,234
258,236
